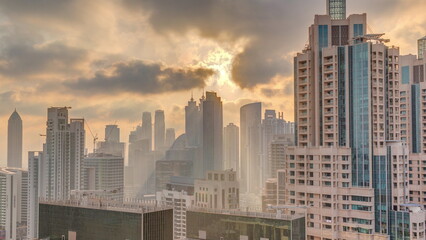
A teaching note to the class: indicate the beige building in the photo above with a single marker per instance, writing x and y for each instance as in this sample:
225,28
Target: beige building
270,194
220,190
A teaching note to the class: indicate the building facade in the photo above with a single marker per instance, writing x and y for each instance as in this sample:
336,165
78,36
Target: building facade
104,172
235,225
348,168
180,201
212,132
35,168
219,190
107,220
65,147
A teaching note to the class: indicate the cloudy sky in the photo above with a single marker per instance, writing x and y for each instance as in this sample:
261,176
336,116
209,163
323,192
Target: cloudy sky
113,59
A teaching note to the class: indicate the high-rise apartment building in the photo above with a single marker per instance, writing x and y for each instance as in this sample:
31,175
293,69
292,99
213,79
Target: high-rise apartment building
413,117
349,166
35,175
250,146
421,45
231,147
14,141
159,130
13,203
212,132
65,146
219,190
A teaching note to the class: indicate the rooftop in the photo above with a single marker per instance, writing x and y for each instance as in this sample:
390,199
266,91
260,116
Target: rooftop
97,204
248,214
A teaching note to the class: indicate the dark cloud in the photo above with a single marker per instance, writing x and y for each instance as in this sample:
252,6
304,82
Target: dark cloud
141,78
20,59
272,28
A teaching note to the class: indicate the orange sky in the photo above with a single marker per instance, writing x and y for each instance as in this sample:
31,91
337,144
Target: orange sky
55,53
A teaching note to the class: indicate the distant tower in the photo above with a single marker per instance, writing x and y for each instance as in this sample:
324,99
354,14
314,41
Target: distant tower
147,128
193,128
159,130
250,126
14,141
170,137
336,9
421,47
212,132
112,133
231,147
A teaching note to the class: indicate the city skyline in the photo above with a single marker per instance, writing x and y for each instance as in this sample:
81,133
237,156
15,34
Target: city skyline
201,48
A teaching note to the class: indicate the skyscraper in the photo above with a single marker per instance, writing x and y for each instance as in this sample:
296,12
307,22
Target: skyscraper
272,126
147,128
250,121
65,145
212,132
14,141
112,144
193,124
170,137
159,130
349,153
112,133
413,131
35,167
421,45
231,147
104,172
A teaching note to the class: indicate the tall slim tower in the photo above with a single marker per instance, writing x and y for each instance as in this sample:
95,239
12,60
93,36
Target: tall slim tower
212,132
14,141
231,147
193,124
160,130
250,121
65,145
147,128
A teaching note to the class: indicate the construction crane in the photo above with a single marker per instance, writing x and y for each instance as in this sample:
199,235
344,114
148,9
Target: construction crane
95,137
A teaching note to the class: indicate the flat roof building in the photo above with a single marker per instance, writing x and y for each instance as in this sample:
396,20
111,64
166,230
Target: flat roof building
94,219
235,225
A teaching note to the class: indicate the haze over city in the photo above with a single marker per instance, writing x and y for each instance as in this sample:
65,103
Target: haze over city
102,57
